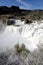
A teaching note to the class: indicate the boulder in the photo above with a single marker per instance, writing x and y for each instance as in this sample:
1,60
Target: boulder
10,22
28,21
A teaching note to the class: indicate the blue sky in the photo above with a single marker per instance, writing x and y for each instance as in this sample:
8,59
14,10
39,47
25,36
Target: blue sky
24,4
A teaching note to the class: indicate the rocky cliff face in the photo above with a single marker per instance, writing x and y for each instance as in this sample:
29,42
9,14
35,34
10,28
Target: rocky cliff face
8,10
20,13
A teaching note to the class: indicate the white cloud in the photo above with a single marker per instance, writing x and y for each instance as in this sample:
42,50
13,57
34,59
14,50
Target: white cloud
24,5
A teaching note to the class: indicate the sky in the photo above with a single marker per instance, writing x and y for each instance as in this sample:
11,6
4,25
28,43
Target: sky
23,4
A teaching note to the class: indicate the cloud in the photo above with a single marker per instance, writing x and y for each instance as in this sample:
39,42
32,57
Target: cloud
24,5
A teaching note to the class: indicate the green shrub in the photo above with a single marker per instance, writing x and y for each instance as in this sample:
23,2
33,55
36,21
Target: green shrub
22,50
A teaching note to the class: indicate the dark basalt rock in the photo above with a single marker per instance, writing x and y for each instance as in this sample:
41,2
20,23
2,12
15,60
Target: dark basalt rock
10,22
8,10
28,21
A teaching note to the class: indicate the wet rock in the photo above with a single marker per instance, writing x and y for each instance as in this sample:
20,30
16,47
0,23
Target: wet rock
28,21
10,22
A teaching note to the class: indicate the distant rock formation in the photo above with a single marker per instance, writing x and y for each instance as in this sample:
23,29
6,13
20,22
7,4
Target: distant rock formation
8,10
21,13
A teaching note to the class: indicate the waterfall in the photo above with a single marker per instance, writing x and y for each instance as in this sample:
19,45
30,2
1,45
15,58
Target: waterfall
29,34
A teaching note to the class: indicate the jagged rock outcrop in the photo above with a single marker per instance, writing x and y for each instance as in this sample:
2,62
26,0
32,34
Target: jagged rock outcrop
8,10
16,12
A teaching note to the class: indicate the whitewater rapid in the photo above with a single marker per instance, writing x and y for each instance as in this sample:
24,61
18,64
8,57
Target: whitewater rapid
29,34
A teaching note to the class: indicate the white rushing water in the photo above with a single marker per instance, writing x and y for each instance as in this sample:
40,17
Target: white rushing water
29,34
